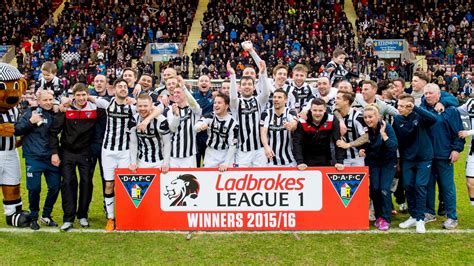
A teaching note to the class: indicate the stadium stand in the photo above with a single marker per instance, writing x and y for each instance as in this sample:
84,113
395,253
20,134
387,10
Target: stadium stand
440,30
99,37
288,32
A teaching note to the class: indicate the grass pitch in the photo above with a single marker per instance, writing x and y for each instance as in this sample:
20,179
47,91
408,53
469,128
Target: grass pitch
95,247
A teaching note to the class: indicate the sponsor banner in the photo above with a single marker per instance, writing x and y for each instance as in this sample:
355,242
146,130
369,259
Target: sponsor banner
164,48
243,199
388,45
242,191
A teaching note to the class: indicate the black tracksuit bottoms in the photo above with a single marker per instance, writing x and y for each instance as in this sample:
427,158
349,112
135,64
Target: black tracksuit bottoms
69,185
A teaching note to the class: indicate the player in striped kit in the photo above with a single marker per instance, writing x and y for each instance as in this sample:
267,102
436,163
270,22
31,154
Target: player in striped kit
385,89
223,131
325,92
152,146
247,110
280,78
354,122
116,148
162,88
277,123
280,81
468,109
301,90
146,83
182,115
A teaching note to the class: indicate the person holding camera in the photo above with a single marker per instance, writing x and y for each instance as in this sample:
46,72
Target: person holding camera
34,126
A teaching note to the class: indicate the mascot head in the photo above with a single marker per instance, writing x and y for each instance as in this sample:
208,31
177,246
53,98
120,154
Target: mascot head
12,86
184,187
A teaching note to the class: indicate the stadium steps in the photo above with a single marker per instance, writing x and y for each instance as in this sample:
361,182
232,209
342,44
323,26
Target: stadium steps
351,14
13,62
59,9
196,30
421,62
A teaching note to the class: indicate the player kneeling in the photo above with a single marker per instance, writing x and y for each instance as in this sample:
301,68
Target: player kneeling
223,130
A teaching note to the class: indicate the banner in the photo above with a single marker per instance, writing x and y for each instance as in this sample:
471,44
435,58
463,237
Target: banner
164,48
388,46
243,199
67,57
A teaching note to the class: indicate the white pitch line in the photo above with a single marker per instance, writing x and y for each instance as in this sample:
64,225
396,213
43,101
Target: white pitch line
328,232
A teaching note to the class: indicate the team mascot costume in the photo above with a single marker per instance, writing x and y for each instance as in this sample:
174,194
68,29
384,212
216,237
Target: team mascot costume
12,87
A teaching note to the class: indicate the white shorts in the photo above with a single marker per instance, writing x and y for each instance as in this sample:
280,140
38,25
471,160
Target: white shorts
215,158
9,168
359,161
255,158
143,164
188,162
112,160
470,166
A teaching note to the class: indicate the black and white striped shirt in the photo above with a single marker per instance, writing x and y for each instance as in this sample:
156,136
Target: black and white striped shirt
10,116
279,138
387,117
355,128
55,86
119,122
161,91
291,98
247,112
222,132
303,95
467,109
331,98
183,136
248,115
339,73
150,142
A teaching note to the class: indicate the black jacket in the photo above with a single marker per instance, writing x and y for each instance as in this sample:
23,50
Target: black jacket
312,143
35,138
76,128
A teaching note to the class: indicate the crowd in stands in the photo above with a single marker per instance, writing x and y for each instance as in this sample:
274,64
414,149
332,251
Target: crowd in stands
100,37
287,32
21,19
441,30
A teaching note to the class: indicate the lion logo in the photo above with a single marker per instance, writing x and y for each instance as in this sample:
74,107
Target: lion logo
182,189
